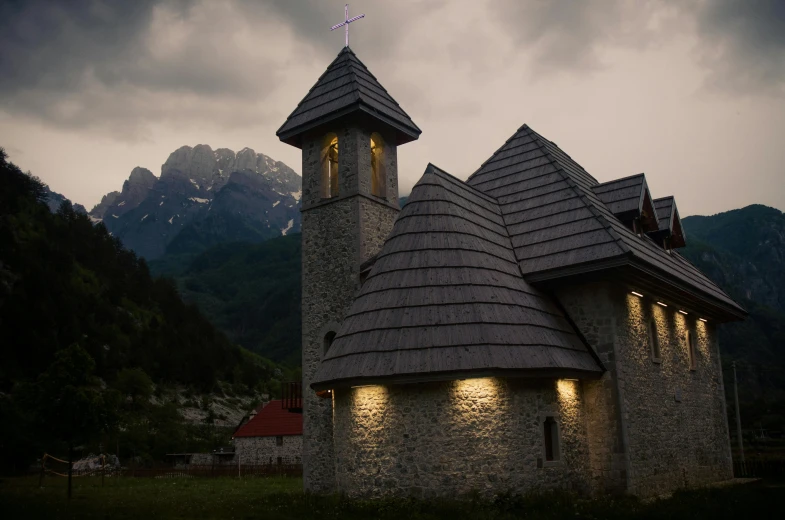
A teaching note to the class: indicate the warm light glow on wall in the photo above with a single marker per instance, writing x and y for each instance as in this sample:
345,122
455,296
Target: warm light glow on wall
567,389
481,385
368,390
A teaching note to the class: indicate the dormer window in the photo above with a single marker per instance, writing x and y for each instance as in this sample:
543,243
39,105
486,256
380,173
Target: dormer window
669,233
329,161
630,201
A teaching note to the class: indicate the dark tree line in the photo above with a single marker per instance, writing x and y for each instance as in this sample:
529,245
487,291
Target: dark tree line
70,295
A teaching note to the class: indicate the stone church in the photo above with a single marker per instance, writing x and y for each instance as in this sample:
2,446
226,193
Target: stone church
529,328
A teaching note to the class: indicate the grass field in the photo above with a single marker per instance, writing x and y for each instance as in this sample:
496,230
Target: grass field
282,498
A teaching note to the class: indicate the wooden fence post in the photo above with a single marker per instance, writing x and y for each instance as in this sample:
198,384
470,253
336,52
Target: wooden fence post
41,476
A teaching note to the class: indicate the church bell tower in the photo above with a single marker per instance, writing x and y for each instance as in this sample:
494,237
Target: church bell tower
348,128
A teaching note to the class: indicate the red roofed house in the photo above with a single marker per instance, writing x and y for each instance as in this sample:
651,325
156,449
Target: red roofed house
273,436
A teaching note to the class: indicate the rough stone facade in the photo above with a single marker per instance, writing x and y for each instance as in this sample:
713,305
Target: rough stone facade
338,234
265,450
451,438
653,425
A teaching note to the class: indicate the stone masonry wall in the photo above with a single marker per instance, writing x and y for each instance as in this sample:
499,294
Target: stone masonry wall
265,450
452,438
592,310
666,423
676,422
338,234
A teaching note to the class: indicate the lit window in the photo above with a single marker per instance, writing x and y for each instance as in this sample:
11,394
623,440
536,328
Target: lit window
279,440
692,351
328,340
378,174
329,160
551,438
654,341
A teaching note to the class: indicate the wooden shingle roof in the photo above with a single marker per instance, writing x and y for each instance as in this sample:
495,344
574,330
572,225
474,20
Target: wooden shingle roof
445,298
560,227
629,199
346,86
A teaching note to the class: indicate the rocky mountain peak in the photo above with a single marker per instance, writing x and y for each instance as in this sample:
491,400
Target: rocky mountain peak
141,177
203,197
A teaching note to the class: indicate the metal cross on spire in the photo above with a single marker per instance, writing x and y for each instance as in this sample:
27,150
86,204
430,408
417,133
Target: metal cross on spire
346,22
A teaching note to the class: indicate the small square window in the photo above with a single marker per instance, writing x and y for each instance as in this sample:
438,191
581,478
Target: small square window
279,440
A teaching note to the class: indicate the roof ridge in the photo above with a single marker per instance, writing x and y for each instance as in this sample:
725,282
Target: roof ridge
486,161
642,174
318,82
582,195
368,71
455,180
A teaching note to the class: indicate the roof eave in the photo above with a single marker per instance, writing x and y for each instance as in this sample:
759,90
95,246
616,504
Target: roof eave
431,377
292,136
716,309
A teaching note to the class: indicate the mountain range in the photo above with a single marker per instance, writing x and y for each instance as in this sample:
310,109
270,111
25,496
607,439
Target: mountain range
203,197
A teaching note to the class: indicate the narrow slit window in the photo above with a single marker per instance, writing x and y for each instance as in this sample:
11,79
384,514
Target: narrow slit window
378,174
328,340
551,438
329,160
692,350
654,341
279,440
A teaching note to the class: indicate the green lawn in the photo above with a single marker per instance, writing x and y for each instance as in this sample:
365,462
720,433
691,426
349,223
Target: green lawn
282,498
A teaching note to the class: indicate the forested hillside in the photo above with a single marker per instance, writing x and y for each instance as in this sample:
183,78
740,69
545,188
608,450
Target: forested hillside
744,252
250,291
88,337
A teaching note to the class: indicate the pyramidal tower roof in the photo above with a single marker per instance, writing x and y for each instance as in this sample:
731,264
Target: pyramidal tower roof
559,226
346,86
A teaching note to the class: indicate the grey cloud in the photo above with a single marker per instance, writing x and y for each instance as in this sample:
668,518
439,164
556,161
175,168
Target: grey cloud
568,35
81,63
743,44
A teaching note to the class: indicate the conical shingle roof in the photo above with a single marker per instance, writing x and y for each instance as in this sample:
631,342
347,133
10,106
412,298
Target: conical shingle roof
347,86
446,299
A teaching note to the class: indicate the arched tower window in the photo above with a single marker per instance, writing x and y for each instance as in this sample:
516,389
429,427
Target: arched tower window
328,340
378,174
329,160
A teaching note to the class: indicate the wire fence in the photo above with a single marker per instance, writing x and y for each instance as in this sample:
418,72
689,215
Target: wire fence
191,471
762,468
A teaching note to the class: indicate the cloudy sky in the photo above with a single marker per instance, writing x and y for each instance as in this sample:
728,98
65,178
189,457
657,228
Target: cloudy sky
691,93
